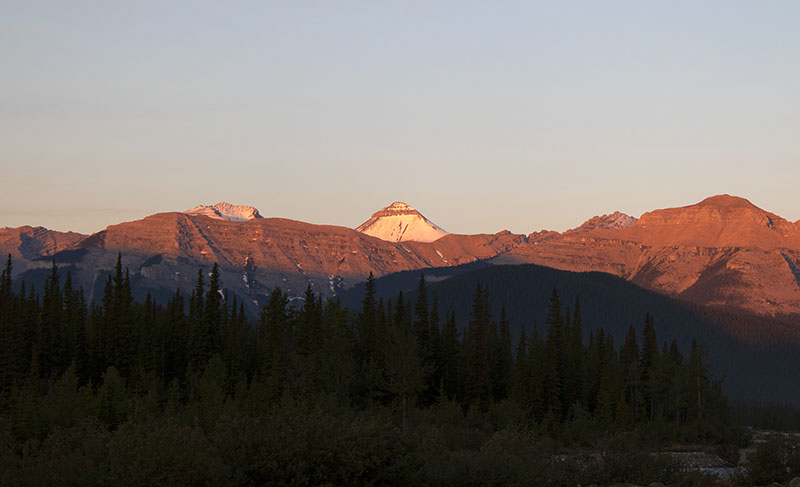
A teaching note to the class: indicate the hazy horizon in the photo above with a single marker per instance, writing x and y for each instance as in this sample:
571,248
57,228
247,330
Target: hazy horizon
520,116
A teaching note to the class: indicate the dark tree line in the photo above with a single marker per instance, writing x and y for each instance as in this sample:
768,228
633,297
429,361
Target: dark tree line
119,359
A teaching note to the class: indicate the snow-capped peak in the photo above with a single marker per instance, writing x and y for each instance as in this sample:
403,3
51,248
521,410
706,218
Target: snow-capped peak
398,207
608,222
225,211
401,222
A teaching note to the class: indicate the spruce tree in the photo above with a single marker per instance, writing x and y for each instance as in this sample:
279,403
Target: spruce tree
197,325
575,358
649,366
421,317
365,322
213,311
309,343
501,360
476,343
699,372
449,360
539,363
273,326
556,360
631,372
11,337
521,380
52,352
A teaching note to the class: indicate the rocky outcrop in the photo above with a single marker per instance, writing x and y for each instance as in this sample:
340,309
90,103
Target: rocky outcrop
225,211
606,222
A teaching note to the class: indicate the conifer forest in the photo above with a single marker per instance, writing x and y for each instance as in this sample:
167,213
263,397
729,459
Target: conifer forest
192,392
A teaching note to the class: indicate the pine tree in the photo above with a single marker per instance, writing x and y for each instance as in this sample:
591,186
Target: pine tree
678,392
631,372
197,325
449,360
366,320
537,395
405,371
213,311
12,344
309,343
401,317
595,367
501,360
556,359
51,333
522,378
476,344
649,364
421,317
575,358
610,390
699,372
273,326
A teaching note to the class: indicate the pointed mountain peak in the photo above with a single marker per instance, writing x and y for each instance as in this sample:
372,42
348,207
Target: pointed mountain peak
607,222
401,222
225,211
397,208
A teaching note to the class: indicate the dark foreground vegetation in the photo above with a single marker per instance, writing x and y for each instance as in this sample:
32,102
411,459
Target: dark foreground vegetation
191,393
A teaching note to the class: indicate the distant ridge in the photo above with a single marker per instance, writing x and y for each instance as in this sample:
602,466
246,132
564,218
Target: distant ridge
722,251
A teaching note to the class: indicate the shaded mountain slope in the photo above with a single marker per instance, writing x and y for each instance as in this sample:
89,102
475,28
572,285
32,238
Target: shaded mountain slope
758,355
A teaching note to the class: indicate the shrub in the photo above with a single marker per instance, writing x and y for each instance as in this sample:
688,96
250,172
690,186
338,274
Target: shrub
776,460
313,448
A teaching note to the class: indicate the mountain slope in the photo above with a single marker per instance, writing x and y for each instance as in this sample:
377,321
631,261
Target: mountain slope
27,243
400,222
164,252
721,251
762,364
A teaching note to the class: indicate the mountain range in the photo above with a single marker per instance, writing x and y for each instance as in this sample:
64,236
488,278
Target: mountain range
722,251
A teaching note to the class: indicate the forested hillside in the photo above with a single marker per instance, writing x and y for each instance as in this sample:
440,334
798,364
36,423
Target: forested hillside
759,356
116,375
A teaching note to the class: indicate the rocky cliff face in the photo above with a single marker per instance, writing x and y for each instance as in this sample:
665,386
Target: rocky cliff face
28,243
721,251
164,251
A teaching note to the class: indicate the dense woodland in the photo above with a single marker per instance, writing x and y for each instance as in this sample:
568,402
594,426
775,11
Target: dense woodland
394,383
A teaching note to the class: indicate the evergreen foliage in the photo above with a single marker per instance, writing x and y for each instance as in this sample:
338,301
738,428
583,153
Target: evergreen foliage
152,370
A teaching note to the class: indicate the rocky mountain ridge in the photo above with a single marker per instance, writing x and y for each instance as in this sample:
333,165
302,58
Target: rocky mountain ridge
722,251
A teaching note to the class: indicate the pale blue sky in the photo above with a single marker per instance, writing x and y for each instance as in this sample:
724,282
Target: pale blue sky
483,115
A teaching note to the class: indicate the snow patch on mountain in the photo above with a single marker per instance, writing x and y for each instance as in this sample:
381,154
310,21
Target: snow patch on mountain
226,211
401,222
607,222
